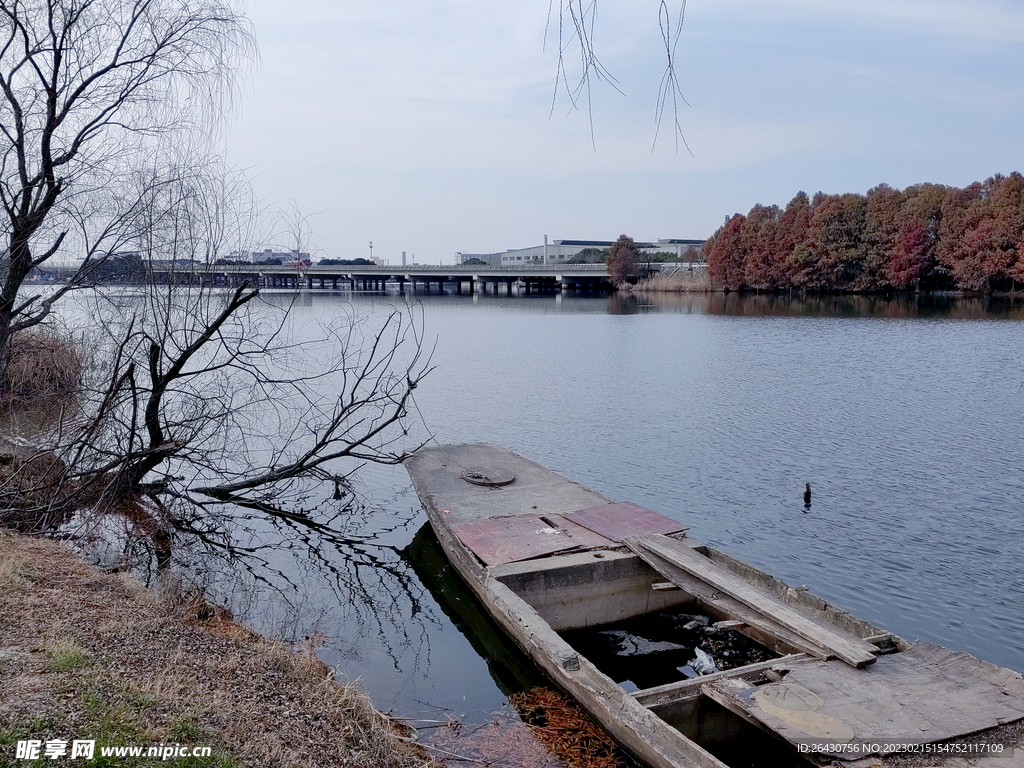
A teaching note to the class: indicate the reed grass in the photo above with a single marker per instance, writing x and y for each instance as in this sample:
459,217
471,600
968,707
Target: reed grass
41,364
680,281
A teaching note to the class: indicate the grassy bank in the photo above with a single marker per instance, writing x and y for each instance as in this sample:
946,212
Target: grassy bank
90,655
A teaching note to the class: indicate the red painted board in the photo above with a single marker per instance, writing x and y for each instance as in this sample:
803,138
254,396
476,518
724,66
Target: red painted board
581,535
624,518
511,539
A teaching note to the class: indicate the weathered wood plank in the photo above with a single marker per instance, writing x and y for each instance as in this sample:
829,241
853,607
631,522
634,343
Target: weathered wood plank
850,649
1009,681
681,689
662,586
759,627
729,624
785,709
901,699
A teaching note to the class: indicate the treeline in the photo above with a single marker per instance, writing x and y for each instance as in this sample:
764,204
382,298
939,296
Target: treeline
925,237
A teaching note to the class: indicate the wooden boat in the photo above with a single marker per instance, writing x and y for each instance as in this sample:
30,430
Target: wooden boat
548,558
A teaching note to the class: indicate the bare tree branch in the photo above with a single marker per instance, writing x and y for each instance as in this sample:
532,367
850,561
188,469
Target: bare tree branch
669,88
577,21
87,89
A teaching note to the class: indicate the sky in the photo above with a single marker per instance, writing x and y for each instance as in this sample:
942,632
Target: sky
428,127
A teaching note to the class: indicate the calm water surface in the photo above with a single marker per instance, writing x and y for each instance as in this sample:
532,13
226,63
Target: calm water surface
907,420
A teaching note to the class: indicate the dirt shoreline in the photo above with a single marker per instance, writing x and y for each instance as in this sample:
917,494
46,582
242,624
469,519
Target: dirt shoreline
90,655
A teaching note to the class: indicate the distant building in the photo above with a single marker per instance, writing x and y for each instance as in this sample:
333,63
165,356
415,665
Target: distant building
269,256
561,251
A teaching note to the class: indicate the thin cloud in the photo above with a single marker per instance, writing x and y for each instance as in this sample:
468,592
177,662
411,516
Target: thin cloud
981,20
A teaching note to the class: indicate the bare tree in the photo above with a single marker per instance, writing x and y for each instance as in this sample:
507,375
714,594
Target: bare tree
87,88
215,394
576,23
205,399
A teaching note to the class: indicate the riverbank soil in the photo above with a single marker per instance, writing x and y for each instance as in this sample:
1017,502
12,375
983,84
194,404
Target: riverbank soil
95,656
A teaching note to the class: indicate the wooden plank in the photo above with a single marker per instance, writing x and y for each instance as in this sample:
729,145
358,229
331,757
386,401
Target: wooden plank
729,625
786,709
624,518
1009,681
511,539
729,694
850,649
683,689
759,627
900,699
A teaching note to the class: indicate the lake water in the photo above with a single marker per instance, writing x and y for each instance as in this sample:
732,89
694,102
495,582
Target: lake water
906,418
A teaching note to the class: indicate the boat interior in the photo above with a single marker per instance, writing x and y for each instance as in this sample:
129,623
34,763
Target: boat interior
603,603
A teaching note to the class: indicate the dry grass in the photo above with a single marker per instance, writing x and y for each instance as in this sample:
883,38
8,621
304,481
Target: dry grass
680,281
85,654
41,365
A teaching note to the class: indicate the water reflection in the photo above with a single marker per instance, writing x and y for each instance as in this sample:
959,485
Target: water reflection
924,306
325,565
785,305
511,669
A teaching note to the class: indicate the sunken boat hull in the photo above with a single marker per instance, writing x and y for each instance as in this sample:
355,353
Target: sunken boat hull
550,559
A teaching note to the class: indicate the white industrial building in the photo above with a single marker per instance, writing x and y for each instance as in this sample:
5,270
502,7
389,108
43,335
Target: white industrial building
560,251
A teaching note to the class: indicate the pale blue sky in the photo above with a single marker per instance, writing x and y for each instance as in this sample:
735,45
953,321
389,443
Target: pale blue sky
424,126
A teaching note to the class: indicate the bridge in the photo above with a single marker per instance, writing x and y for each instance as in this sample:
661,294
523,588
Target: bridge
531,278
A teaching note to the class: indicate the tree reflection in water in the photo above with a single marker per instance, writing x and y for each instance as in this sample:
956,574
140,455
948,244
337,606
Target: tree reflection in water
311,564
